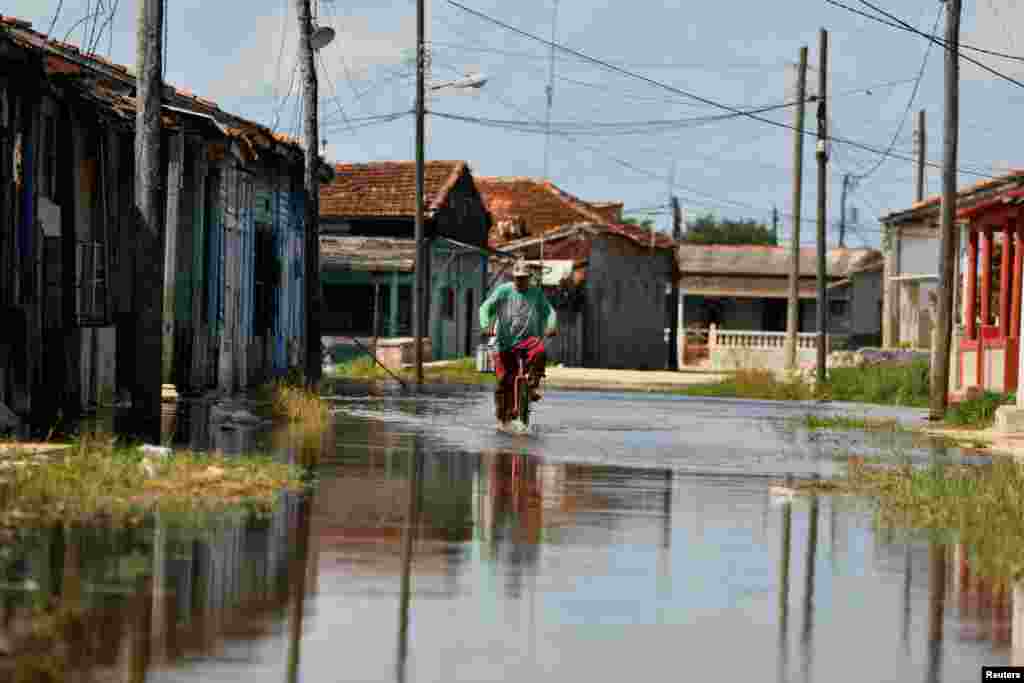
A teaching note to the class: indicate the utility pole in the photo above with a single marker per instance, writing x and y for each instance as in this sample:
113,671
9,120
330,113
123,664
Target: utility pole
793,311
550,93
948,241
822,153
775,221
149,242
314,360
419,292
921,137
673,301
848,182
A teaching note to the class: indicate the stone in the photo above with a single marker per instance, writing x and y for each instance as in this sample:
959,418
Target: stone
1009,420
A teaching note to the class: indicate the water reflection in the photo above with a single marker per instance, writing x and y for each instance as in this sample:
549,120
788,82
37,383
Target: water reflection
420,559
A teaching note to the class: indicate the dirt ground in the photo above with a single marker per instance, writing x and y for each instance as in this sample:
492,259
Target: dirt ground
654,380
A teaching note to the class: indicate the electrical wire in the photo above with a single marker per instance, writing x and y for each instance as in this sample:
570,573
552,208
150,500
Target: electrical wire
56,16
684,93
283,102
910,103
334,90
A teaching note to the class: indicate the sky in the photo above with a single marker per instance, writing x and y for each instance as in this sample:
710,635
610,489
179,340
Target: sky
739,53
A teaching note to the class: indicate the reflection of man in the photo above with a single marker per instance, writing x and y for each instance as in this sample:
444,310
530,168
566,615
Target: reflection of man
522,317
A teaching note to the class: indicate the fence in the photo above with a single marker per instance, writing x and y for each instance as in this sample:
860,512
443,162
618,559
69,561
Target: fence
736,349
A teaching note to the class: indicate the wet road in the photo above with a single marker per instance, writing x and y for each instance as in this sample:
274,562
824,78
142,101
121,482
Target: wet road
627,536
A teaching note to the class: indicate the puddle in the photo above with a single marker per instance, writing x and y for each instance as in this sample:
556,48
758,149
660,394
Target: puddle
624,530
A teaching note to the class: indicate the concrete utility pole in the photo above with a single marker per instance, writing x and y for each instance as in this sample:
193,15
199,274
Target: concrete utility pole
775,221
149,242
793,311
921,137
312,190
948,241
822,153
419,291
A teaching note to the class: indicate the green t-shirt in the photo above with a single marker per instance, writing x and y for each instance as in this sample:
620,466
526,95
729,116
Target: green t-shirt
520,314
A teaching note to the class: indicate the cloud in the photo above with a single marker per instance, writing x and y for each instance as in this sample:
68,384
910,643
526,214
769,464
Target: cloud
255,70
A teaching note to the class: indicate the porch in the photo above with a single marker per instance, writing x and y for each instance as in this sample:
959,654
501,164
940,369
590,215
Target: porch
990,348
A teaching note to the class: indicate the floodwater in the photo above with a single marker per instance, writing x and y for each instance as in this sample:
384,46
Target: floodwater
628,536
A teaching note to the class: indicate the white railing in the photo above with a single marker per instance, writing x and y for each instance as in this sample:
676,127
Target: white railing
752,339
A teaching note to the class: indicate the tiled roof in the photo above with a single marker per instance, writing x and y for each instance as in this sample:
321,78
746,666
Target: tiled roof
112,87
544,207
966,197
766,287
386,188
751,260
372,254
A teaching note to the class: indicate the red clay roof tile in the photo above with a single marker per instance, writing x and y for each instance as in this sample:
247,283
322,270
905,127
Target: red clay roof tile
386,188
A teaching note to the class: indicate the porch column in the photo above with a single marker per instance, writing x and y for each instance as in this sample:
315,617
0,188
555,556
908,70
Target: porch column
1018,270
986,276
393,306
1004,280
970,305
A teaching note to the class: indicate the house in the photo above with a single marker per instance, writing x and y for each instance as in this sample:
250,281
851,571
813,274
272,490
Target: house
368,254
232,238
744,289
608,281
911,245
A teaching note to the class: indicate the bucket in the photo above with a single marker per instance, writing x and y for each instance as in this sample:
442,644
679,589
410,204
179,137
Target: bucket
484,362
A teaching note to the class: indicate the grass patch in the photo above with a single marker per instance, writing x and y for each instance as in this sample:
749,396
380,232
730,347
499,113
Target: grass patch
95,479
978,412
982,505
460,371
292,401
754,385
849,422
897,385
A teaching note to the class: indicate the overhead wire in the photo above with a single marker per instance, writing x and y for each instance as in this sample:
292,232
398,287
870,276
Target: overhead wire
681,92
56,16
910,103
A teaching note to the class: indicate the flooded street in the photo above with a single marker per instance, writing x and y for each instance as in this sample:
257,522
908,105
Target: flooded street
627,535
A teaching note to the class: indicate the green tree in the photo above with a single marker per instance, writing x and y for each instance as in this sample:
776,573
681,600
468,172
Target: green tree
645,223
709,230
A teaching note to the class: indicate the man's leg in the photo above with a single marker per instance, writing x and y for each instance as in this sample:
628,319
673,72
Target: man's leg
537,373
502,404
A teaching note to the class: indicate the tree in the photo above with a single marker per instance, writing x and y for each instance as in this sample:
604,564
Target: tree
645,223
708,230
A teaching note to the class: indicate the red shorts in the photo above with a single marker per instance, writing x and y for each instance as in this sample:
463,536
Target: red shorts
506,362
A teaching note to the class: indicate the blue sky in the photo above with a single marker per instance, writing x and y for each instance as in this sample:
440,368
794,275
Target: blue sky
738,52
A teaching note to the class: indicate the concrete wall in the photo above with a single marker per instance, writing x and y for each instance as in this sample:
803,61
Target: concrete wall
724,358
625,310
465,273
865,303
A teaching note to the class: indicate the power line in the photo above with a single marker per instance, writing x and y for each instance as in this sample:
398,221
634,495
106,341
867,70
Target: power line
910,103
694,96
56,15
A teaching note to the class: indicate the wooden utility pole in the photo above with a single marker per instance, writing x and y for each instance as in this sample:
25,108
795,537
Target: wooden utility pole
847,181
314,360
673,301
149,241
947,243
822,153
420,288
793,311
921,136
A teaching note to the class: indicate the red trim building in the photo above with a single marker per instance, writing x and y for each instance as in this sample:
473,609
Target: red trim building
990,348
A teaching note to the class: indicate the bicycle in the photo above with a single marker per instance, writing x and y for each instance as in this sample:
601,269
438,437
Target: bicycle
521,389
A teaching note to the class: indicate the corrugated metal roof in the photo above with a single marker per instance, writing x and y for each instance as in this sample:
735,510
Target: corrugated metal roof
744,287
695,259
368,254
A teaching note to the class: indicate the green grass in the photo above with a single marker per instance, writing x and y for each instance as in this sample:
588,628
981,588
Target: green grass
289,399
97,478
982,505
849,422
897,385
754,385
977,413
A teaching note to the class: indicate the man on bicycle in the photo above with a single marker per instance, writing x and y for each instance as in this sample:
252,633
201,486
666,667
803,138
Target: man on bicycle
521,317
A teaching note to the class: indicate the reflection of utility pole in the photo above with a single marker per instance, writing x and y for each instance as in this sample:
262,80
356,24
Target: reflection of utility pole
408,536
936,609
300,569
665,549
906,596
787,522
812,551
